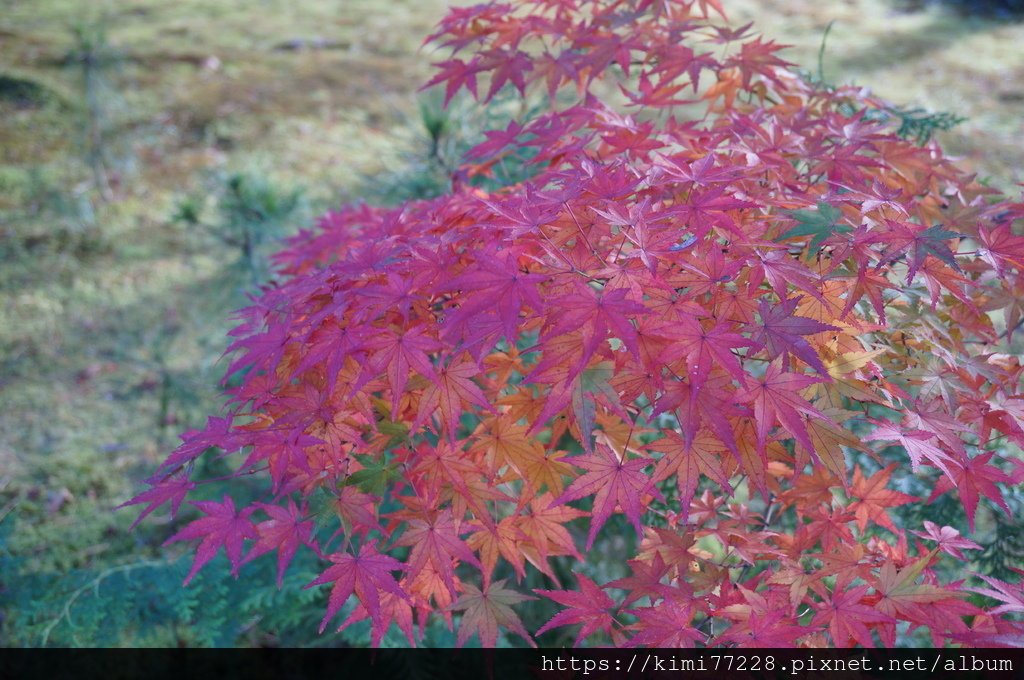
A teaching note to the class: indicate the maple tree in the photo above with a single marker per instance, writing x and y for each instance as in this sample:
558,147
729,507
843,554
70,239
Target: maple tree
719,293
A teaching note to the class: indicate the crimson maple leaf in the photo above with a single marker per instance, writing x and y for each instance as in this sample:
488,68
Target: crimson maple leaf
500,285
646,581
905,238
393,609
597,313
916,443
847,616
712,406
496,141
614,482
871,499
194,443
395,353
757,57
780,333
222,526
546,528
455,73
948,538
368,574
399,294
488,610
499,541
899,595
667,625
689,462
165,488
523,216
703,348
973,478
763,629
1002,248
706,209
588,606
776,398
506,66
701,172
284,532
657,94
650,242
435,542
453,389
1012,596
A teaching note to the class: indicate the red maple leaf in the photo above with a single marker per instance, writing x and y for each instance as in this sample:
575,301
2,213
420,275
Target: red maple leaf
222,526
763,630
435,542
165,488
393,609
906,238
871,499
597,313
776,399
396,353
847,617
614,482
455,73
506,66
546,528
706,209
757,57
667,625
588,606
646,581
948,538
916,443
526,215
453,389
284,532
500,285
899,595
1012,596
1002,248
973,478
689,462
499,541
488,610
702,347
781,332
368,574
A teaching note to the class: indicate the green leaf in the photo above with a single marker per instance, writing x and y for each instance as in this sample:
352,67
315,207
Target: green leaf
593,380
931,241
399,432
323,509
820,223
375,477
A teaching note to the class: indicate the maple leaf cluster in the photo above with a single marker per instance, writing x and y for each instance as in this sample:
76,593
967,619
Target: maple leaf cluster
719,282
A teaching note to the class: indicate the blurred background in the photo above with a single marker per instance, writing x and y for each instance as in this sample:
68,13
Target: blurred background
151,155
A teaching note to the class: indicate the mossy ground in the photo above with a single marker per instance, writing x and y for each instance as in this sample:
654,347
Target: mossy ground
114,114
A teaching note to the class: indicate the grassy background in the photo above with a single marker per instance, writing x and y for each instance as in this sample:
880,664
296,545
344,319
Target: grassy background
142,142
